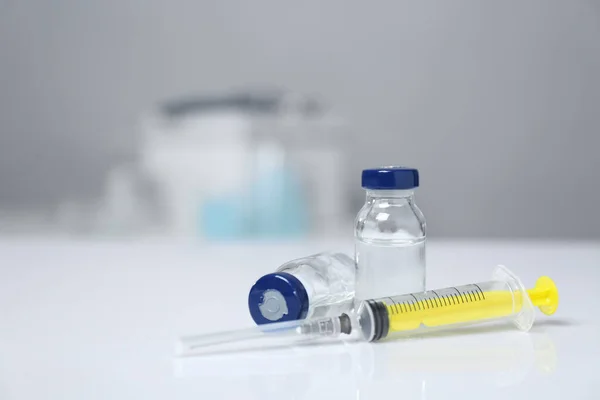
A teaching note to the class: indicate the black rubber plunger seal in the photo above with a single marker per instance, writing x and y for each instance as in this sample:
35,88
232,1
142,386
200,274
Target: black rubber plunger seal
345,324
381,320
376,324
385,320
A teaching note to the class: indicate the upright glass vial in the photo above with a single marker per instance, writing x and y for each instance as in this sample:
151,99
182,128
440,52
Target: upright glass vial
313,286
389,235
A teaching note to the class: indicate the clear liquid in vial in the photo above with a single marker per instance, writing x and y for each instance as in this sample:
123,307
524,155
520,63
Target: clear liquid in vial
388,268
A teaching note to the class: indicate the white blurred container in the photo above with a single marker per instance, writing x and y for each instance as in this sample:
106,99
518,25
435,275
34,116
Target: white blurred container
315,142
194,158
225,166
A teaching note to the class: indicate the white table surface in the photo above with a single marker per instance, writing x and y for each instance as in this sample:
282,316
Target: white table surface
98,320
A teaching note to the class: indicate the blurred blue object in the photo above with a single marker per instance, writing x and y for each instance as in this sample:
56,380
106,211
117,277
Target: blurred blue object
272,204
279,205
223,218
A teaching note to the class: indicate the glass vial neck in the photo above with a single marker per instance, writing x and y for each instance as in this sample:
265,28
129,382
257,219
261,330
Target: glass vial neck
390,194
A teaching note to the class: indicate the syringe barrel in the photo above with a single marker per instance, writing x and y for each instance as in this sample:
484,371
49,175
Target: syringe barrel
504,297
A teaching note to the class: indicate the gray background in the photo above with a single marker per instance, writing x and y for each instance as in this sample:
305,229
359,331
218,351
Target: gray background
497,103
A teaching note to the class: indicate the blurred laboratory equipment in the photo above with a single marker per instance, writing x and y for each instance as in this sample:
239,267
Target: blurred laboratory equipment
237,166
313,286
390,234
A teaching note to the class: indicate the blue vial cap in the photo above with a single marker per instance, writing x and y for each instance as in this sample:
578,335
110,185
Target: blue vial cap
277,297
390,178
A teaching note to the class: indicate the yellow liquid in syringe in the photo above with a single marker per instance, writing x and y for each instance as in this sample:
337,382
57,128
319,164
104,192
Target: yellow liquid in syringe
464,304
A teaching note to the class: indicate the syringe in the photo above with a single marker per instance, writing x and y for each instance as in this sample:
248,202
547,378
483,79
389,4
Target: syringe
502,298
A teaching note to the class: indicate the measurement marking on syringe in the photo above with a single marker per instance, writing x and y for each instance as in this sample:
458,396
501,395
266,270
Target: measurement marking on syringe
451,298
445,299
470,297
437,298
417,302
394,305
441,300
459,294
404,307
430,303
482,293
